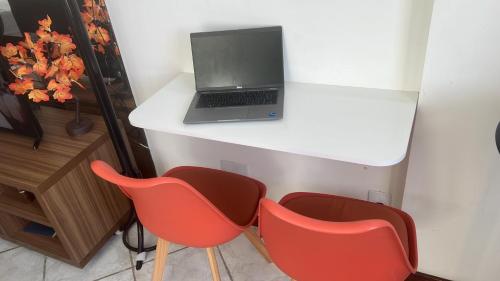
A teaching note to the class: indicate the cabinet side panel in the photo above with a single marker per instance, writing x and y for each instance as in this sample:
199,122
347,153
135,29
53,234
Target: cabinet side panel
83,208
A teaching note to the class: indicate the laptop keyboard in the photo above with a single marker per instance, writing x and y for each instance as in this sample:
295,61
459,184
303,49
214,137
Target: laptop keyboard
240,98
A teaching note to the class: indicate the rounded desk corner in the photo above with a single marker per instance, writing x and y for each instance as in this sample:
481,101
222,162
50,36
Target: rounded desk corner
395,161
132,118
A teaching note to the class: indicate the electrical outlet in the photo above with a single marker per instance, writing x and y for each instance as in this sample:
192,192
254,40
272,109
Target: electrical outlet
234,167
377,196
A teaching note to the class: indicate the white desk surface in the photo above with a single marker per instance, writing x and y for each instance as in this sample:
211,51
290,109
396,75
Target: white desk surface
357,125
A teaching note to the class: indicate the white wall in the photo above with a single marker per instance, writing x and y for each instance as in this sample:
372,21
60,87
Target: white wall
368,43
379,44
453,183
281,172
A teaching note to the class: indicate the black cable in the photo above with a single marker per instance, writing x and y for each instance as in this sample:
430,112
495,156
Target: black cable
497,137
127,227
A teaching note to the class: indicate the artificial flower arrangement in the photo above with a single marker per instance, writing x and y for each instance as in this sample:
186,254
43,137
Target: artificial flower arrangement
44,64
96,19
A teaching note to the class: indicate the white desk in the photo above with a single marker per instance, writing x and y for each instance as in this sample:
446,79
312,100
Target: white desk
357,125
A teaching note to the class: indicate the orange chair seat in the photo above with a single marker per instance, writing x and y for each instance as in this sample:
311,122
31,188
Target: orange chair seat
234,195
343,209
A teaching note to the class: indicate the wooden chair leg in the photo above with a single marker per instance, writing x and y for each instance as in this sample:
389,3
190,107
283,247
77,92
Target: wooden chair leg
213,264
257,243
160,259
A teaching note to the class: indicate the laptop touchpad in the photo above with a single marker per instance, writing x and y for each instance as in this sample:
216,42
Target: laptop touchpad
223,113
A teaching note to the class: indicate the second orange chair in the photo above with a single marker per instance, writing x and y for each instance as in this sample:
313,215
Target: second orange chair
191,206
322,237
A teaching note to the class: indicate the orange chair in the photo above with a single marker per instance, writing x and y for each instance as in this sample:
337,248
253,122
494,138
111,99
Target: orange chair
191,206
315,237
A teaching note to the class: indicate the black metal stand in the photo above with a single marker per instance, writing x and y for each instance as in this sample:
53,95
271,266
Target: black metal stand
108,113
80,125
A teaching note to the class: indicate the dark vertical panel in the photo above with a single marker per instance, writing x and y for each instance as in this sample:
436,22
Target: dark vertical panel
93,71
117,85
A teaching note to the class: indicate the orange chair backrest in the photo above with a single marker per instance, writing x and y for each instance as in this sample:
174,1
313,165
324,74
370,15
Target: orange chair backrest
314,250
172,209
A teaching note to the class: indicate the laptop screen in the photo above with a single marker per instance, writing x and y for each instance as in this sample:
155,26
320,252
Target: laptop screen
244,58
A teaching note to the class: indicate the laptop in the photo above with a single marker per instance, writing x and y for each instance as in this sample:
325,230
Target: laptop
238,75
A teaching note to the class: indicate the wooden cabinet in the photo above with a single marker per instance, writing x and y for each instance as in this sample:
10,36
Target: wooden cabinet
55,187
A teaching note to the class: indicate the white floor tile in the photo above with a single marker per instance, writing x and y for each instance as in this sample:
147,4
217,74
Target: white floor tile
112,263
126,275
113,257
151,255
190,264
21,264
246,264
6,245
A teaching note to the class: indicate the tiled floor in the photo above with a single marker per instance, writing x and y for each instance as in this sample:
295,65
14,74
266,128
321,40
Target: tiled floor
237,260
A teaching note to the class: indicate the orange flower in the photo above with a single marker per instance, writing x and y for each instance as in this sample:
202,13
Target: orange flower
61,91
53,85
28,41
63,78
66,47
52,71
65,43
21,86
38,49
38,95
24,70
77,67
45,23
9,50
40,55
44,35
96,10
63,63
40,67
23,53
88,3
86,17
15,61
91,29
102,36
62,94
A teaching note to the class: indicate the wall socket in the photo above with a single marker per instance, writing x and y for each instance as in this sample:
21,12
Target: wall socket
377,196
234,167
